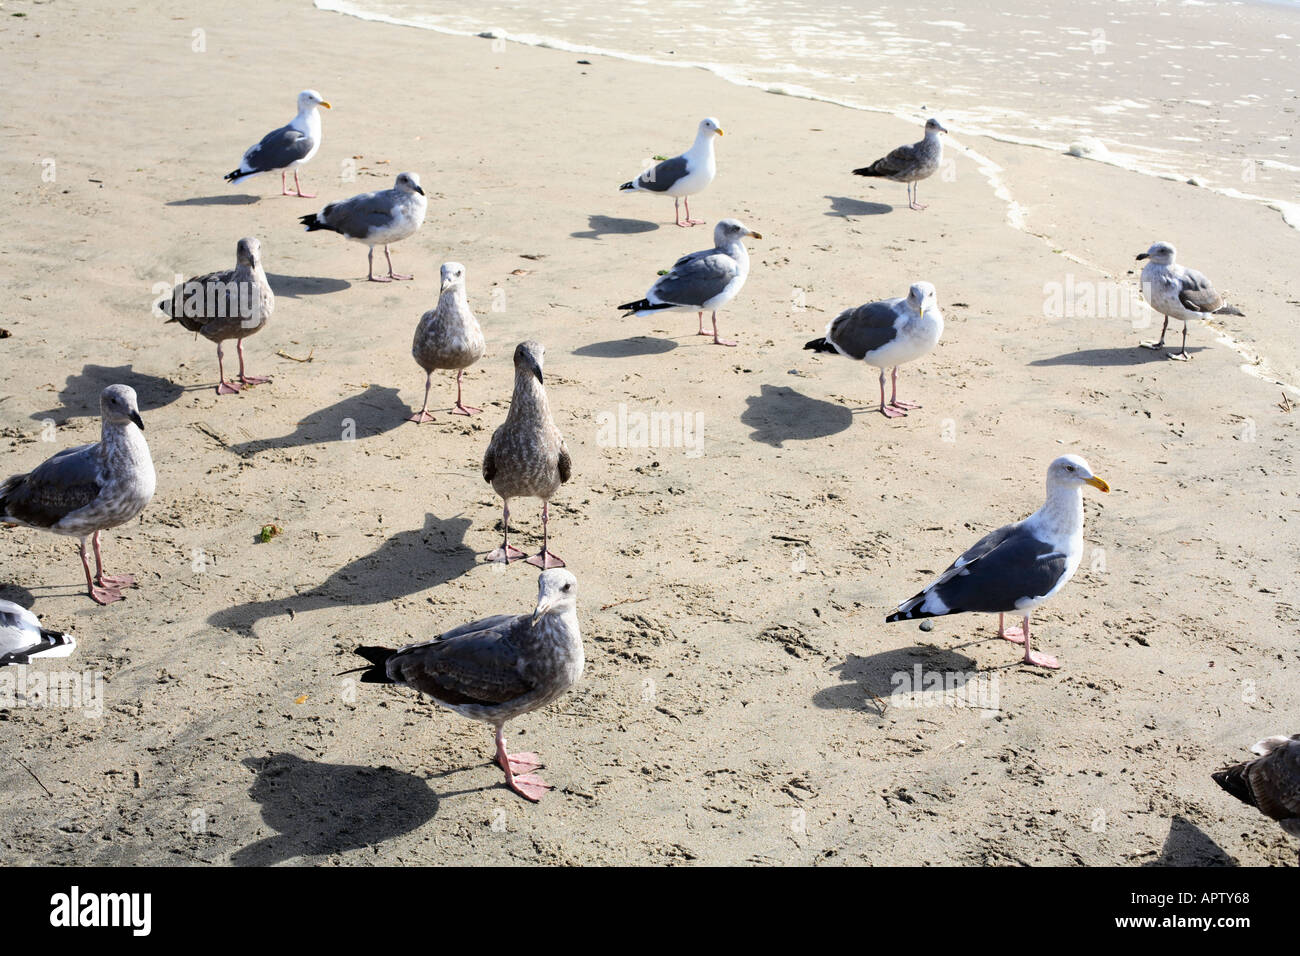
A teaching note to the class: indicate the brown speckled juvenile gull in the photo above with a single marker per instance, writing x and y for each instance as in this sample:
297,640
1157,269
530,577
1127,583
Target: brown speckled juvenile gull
91,488
1270,782
496,669
912,163
448,336
527,457
232,304
22,637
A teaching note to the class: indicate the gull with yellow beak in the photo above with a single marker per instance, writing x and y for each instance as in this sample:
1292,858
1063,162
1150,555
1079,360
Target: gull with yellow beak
702,281
497,669
683,176
1019,566
287,147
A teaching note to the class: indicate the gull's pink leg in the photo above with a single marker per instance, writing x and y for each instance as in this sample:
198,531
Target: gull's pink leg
98,594
893,395
1181,355
700,315
1035,658
224,387
689,220
718,341
911,197
299,188
527,785
247,379
115,581
423,415
391,273
1013,634
677,212
1161,344
886,410
505,553
370,272
461,408
284,189
544,559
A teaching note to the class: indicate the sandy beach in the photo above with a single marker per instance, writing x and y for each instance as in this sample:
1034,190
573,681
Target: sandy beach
739,701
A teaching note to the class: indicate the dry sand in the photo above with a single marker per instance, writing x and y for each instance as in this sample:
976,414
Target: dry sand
732,603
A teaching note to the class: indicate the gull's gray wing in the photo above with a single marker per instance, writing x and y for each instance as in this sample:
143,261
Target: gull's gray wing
855,332
476,663
661,177
276,150
565,463
1196,293
54,489
899,161
694,281
357,217
196,300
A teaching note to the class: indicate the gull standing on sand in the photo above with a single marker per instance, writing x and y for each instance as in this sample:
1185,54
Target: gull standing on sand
702,281
527,457
88,489
22,637
232,304
1177,292
378,218
912,163
448,336
1270,782
287,147
496,669
886,333
1018,566
683,176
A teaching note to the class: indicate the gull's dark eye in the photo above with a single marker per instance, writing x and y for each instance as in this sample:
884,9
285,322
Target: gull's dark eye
565,588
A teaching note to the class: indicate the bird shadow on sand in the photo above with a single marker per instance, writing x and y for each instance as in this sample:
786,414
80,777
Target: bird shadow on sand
1189,845
843,206
293,287
626,348
373,412
80,392
780,414
878,674
322,808
408,562
18,594
1133,355
612,226
226,199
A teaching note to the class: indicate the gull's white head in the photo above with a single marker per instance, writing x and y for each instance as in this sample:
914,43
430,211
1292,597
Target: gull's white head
117,404
728,231
310,99
557,593
248,251
1161,254
453,273
1073,470
921,297
933,125
409,183
709,127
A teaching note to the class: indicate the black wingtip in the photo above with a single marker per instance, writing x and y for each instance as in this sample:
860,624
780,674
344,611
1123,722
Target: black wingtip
630,184
1233,780
231,176
311,222
378,657
864,171
1230,310
819,345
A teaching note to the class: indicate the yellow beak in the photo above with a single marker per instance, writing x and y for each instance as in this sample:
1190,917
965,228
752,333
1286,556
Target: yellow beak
719,132
756,235
324,104
1098,483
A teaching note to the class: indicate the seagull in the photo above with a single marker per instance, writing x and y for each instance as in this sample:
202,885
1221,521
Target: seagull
448,336
85,490
22,637
497,669
377,218
287,147
1019,566
527,457
886,333
1177,292
1270,782
227,305
912,163
683,176
702,281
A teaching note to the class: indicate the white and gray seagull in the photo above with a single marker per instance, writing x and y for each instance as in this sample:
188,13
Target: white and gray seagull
22,637
912,163
376,219
703,281
1177,292
886,334
1018,566
287,147
496,669
683,176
